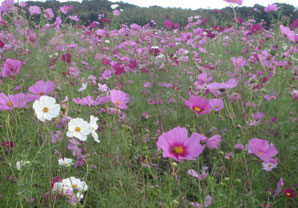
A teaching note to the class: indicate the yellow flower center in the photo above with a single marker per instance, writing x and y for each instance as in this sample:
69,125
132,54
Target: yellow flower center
216,106
74,186
6,144
118,102
268,58
45,109
178,150
288,194
78,129
41,93
9,104
259,152
197,109
270,165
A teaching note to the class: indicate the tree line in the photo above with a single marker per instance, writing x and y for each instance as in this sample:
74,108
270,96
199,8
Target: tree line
88,11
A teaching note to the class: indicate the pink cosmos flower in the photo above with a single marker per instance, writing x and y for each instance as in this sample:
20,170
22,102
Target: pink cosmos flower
262,149
216,104
34,10
212,142
74,18
271,8
199,105
225,85
175,144
116,12
119,98
266,58
280,184
6,5
65,9
12,101
48,13
40,88
11,67
291,35
239,2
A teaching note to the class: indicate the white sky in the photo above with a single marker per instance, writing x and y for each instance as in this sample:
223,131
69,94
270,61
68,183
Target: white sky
194,4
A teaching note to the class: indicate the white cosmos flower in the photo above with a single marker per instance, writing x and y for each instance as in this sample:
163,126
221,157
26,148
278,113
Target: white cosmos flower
60,189
103,88
114,6
84,87
66,162
21,164
46,108
75,184
93,127
78,128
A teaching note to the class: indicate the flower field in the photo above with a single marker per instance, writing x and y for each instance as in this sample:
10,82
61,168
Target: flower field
140,116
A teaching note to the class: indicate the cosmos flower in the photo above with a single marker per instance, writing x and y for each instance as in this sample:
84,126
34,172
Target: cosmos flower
78,128
48,13
266,58
211,143
93,127
199,105
114,6
6,5
271,8
268,166
225,85
46,108
280,184
216,104
66,162
262,149
11,67
119,98
75,183
40,88
239,2
34,10
290,193
12,101
177,145
21,164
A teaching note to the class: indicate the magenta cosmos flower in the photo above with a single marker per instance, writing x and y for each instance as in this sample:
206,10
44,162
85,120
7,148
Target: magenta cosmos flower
262,149
199,105
11,67
175,144
119,98
40,88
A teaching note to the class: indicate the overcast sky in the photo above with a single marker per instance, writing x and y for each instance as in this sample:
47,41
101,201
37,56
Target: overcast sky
194,4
